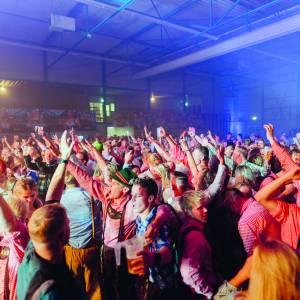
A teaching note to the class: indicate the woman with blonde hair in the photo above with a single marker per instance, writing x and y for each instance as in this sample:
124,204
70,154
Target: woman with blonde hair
26,189
275,273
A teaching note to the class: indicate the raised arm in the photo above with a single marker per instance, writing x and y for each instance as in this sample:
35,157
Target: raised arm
8,221
164,134
212,139
281,153
97,155
264,196
41,145
56,186
5,143
219,180
190,158
51,145
159,148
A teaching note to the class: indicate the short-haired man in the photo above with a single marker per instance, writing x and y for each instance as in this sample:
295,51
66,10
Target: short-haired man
43,273
158,257
196,259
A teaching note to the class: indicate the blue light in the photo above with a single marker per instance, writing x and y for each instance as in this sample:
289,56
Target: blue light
254,118
186,104
101,100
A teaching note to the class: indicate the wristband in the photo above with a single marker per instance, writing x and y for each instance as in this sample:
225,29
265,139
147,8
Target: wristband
63,161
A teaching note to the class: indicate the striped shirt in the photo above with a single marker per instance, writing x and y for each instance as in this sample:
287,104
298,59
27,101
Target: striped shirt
255,220
15,243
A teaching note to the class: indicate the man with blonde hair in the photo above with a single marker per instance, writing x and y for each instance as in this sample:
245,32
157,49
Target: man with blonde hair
43,273
195,253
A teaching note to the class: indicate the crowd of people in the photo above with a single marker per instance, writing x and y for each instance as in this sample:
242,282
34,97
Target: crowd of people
168,118
21,120
186,217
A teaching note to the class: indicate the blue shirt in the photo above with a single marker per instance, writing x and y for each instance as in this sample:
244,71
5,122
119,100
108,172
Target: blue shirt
77,202
164,276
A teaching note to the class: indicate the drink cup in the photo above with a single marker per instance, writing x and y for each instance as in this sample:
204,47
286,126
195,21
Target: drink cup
135,262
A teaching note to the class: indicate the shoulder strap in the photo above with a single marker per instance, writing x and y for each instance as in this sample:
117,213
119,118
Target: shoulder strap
175,214
93,214
121,228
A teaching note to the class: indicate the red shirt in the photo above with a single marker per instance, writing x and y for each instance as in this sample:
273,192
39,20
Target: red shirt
288,215
287,164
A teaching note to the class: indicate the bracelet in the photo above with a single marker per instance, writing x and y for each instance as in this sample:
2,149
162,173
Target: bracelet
63,161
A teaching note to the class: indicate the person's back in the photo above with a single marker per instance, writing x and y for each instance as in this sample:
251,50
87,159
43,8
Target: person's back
81,253
43,273
43,279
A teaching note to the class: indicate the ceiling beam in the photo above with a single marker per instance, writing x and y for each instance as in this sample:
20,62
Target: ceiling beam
263,34
132,38
148,18
85,54
90,31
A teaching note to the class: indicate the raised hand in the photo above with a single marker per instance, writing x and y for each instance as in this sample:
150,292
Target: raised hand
184,145
4,140
220,154
148,134
162,132
129,156
192,132
41,131
26,150
205,141
269,132
65,146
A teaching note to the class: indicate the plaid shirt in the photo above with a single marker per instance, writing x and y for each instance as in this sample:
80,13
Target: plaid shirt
254,220
165,276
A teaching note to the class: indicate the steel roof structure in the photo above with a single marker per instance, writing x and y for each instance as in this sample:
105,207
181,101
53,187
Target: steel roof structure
127,43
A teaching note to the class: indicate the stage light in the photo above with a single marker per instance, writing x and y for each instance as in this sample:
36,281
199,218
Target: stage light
186,104
101,100
152,99
3,90
254,118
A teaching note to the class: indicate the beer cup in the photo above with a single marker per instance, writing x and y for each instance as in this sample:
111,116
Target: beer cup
135,263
